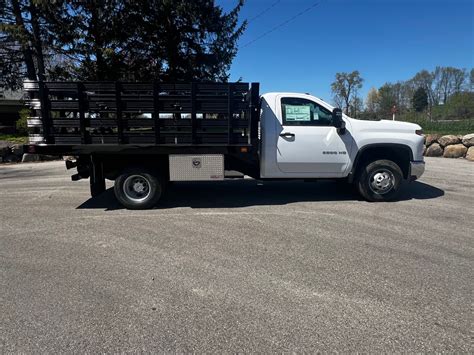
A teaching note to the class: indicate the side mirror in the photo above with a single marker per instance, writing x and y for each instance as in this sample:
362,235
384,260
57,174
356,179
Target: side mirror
337,120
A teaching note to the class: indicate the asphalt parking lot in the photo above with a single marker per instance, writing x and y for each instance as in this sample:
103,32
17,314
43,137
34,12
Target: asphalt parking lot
235,267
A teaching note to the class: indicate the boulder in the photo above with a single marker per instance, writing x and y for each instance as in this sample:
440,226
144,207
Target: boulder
4,148
468,140
28,158
470,153
448,140
17,149
434,150
431,138
454,151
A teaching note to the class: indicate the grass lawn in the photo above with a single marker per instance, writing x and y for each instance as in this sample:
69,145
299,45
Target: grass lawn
457,127
439,125
14,138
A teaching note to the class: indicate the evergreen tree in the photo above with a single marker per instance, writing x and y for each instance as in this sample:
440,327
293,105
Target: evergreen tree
420,100
90,36
167,40
21,42
181,40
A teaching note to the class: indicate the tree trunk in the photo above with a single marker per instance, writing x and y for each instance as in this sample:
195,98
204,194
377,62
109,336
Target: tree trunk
38,45
25,47
348,98
98,43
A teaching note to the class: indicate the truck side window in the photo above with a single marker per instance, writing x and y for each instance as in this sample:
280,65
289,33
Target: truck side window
302,112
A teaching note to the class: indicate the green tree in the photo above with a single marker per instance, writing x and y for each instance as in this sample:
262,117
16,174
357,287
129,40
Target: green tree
345,87
387,99
356,106
22,123
177,40
424,79
448,81
371,104
191,40
372,101
420,100
459,106
117,40
21,48
90,36
32,34
471,80
402,96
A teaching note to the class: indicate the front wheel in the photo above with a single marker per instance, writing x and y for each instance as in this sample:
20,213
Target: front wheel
138,189
380,181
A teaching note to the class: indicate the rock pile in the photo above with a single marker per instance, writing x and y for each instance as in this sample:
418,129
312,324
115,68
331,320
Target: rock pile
10,153
450,146
13,153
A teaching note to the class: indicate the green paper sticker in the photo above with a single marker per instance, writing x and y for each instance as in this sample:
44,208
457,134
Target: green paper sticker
297,113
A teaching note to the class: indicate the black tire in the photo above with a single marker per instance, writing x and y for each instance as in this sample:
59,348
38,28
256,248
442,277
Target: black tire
379,181
138,189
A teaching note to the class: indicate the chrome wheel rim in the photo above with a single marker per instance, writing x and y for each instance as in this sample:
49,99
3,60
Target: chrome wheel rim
136,188
381,181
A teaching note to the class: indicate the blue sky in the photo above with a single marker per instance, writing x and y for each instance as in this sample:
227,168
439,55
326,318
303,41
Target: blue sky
386,40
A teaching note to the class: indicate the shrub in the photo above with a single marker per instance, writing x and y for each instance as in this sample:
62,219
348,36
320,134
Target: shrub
22,124
459,106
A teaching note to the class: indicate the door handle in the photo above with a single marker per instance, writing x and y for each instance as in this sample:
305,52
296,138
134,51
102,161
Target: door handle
287,134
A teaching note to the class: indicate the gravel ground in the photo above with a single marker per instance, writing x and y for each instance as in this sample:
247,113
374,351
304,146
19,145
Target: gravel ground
236,267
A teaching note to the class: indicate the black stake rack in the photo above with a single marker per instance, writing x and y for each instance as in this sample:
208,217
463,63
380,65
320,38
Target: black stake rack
121,113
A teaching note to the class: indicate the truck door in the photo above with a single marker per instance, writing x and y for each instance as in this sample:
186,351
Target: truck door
308,144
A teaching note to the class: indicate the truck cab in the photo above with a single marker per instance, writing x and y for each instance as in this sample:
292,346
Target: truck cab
305,137
300,140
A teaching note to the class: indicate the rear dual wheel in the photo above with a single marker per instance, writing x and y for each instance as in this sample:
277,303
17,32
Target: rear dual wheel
138,189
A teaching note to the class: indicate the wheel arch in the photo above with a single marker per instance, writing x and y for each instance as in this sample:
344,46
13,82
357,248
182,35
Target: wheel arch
401,154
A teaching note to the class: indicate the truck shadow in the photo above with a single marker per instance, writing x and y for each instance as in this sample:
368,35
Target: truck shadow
244,193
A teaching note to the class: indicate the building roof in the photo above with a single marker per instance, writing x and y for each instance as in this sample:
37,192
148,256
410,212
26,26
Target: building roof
10,95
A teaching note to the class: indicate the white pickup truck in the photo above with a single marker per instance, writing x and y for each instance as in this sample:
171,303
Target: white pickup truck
143,135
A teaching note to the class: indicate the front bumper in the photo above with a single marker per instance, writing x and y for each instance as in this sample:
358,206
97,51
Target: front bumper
417,168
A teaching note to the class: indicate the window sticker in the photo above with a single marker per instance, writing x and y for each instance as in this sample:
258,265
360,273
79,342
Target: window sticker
297,113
